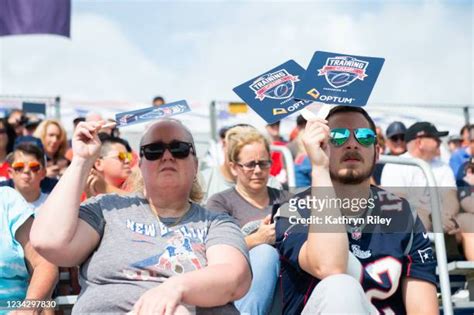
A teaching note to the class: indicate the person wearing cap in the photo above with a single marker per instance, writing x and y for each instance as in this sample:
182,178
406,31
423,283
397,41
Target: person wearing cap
459,157
454,143
396,138
395,143
466,200
423,141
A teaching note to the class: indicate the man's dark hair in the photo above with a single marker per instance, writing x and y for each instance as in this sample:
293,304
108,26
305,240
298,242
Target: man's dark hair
351,109
11,135
77,120
29,149
108,140
300,121
158,98
466,127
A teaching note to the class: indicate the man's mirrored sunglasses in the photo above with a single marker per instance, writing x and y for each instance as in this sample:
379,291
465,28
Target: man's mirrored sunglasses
364,136
156,150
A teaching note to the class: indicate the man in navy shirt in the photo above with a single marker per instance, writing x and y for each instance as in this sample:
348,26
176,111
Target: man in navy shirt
389,267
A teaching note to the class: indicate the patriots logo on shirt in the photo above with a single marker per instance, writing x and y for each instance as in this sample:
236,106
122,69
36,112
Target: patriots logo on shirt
426,255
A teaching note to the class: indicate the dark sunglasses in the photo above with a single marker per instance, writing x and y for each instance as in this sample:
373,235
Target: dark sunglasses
250,166
178,149
397,138
364,136
33,166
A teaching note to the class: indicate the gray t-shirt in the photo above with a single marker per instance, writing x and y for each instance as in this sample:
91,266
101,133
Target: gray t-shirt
248,216
138,252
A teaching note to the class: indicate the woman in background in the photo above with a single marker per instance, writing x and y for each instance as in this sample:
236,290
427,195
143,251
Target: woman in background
250,203
53,136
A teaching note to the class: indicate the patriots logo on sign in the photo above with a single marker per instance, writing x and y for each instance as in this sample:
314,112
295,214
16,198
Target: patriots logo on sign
277,85
341,71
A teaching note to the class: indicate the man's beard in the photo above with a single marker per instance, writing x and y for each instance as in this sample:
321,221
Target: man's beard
352,176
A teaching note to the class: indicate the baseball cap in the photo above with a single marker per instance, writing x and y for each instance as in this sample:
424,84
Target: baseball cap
423,129
28,139
454,138
395,128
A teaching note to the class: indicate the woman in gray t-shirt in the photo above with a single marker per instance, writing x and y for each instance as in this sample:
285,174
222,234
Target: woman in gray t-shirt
153,252
250,202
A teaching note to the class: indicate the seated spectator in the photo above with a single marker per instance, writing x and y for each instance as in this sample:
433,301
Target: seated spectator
47,183
380,140
24,274
111,169
463,154
358,268
466,200
7,138
395,145
464,133
250,202
17,120
300,125
454,143
178,254
54,139
278,165
27,170
302,164
31,125
423,141
219,178
158,101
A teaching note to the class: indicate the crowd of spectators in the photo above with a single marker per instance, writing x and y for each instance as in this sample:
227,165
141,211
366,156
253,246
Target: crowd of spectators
232,201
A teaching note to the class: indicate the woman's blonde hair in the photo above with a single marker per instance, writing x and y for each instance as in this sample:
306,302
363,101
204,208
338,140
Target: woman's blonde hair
40,133
238,137
135,181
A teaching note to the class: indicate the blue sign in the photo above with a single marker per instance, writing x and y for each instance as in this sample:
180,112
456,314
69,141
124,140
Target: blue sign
151,113
339,79
271,95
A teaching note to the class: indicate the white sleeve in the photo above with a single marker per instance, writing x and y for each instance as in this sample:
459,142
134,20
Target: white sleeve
448,177
392,176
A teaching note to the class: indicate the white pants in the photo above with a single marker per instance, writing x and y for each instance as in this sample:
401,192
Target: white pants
338,294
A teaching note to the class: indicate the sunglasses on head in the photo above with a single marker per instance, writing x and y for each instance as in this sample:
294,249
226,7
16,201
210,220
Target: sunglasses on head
33,166
122,156
156,150
250,166
364,136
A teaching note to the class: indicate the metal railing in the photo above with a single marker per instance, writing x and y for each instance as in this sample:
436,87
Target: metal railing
437,226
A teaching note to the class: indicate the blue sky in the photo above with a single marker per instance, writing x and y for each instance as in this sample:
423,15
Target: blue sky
131,50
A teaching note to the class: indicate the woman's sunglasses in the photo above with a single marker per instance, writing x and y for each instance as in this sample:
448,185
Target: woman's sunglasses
178,149
122,156
33,166
250,166
364,136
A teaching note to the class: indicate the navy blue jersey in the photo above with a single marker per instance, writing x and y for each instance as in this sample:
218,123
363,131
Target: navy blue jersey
384,256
